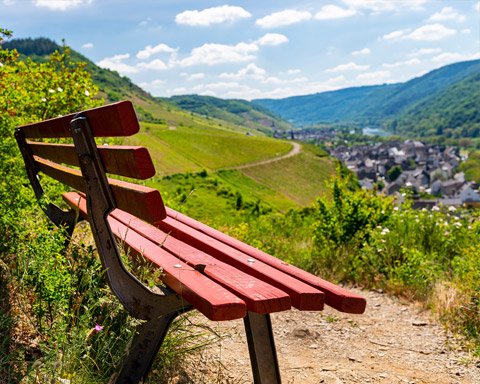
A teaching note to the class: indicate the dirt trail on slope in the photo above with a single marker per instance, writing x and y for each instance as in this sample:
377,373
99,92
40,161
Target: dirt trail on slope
391,343
295,151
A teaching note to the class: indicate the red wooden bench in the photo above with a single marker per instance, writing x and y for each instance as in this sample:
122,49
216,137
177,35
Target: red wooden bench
203,269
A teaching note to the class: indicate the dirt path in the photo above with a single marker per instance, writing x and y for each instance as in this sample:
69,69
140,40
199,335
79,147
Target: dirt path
295,151
391,343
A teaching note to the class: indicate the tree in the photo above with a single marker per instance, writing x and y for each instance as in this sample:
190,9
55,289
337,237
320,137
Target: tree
394,172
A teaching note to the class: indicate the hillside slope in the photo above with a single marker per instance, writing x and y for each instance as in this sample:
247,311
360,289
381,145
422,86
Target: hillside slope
393,105
240,112
186,145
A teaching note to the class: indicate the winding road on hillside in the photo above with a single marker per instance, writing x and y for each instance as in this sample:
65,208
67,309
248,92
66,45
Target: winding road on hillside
296,149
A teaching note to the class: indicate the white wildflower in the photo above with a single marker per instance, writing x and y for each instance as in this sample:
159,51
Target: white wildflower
59,89
435,208
395,208
51,90
43,99
385,231
457,224
87,93
451,208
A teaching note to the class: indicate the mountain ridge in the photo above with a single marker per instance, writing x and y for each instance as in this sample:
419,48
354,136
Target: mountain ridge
385,105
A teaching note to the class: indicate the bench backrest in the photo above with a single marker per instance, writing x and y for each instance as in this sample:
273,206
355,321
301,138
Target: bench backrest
103,194
56,160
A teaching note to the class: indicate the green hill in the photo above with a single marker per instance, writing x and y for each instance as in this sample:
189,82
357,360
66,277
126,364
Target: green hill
404,107
240,112
186,146
454,112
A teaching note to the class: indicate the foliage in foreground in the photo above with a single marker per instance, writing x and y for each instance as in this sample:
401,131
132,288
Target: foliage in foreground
422,255
58,319
359,237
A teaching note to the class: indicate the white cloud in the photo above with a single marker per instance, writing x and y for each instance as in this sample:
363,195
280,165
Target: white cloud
259,75
215,15
385,5
374,77
9,2
431,32
407,63
348,67
60,5
251,70
153,86
294,71
230,90
154,65
115,63
331,12
447,13
424,52
283,18
149,51
395,35
477,6
466,31
195,76
364,51
272,39
451,57
145,22
87,46
208,93
180,90
211,54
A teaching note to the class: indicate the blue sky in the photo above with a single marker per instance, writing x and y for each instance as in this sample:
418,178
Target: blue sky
255,49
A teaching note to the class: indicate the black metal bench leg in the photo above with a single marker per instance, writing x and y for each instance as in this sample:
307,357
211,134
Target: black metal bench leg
143,349
261,345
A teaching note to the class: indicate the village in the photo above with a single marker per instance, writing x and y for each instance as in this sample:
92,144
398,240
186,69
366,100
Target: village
428,171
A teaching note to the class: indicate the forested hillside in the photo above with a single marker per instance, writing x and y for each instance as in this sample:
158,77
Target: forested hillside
442,100
239,111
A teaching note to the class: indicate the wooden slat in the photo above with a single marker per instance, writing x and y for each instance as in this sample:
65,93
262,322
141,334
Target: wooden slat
336,297
302,295
117,119
214,301
144,202
259,296
128,161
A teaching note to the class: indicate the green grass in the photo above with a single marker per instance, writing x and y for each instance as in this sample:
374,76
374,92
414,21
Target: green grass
471,166
301,178
180,148
254,190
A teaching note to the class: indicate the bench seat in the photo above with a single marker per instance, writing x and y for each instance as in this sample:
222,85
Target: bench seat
261,287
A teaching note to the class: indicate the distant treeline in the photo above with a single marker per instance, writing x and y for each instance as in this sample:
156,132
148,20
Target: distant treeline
40,46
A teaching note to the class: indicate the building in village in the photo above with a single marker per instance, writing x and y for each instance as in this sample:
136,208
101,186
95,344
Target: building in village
423,168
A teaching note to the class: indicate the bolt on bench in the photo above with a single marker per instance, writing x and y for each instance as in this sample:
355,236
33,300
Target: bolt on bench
202,268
